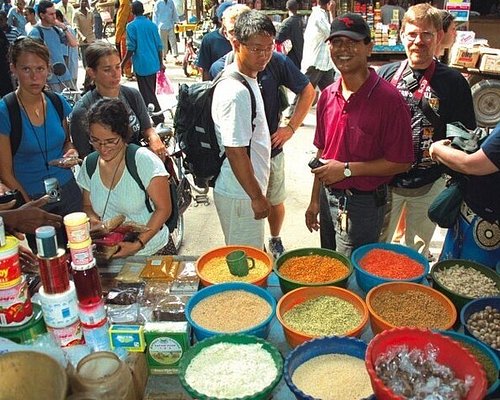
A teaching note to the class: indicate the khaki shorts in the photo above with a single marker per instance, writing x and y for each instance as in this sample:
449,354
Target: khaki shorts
276,191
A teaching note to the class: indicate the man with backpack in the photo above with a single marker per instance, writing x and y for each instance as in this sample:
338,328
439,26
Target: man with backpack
240,189
57,37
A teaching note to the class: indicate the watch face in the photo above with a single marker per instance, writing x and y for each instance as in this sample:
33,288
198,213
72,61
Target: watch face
347,172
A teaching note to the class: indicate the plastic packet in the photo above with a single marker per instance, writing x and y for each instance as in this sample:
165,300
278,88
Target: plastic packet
44,343
128,314
170,308
125,294
187,272
65,162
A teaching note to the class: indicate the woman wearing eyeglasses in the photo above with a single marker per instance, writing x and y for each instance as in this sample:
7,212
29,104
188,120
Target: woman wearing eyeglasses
104,69
25,156
112,191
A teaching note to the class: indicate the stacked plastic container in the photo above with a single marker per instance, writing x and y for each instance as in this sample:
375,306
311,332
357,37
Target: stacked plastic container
87,282
57,294
16,309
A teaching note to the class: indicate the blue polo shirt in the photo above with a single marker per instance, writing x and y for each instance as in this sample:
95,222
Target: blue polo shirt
213,46
279,71
144,40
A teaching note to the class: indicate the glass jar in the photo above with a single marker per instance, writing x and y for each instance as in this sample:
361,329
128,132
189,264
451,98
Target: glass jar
104,375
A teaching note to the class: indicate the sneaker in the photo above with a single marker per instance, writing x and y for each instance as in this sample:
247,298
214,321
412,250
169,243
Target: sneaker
276,248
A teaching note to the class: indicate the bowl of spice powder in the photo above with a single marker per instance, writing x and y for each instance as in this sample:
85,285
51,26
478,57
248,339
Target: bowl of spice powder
212,268
398,304
310,312
378,263
312,267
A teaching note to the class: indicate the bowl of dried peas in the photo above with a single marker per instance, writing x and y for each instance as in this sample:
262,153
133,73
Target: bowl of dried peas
212,268
312,267
447,352
378,263
484,355
310,312
398,304
463,281
328,367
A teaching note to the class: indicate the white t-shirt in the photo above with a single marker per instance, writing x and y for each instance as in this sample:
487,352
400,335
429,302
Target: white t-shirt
232,113
127,198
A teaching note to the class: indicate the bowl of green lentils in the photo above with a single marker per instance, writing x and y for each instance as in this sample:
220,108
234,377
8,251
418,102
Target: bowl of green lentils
463,281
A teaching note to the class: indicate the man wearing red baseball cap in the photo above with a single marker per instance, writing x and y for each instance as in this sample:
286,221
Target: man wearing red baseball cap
363,138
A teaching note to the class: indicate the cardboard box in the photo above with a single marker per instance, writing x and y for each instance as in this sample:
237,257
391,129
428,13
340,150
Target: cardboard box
128,337
465,56
490,63
166,344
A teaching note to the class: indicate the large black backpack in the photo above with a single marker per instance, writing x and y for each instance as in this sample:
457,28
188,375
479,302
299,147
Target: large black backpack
195,131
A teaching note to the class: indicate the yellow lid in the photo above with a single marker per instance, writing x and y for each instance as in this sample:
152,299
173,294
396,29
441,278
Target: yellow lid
11,243
81,245
76,218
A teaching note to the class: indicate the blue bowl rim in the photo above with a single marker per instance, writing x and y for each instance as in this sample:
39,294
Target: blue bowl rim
472,303
227,286
312,249
389,246
219,339
457,336
300,347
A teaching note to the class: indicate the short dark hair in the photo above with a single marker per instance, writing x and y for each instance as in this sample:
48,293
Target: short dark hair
31,10
137,8
43,6
292,5
447,18
112,114
323,2
251,23
59,15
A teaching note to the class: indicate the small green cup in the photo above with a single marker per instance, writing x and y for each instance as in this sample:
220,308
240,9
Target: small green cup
237,261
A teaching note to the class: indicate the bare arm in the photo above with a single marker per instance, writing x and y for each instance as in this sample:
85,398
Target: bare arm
312,211
243,170
7,168
471,164
333,171
155,143
284,133
72,42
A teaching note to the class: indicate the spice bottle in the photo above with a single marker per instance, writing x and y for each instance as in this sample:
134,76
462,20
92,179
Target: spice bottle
87,283
105,376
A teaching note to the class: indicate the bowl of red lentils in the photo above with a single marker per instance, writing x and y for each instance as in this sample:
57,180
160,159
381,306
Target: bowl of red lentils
412,363
212,268
309,312
312,267
378,263
398,304
463,281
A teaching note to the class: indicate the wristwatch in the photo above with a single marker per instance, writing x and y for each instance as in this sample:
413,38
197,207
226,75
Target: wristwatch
347,170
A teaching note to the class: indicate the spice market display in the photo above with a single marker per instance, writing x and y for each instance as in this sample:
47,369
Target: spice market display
144,322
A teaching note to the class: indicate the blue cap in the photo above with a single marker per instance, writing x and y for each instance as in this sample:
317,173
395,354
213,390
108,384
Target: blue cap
223,7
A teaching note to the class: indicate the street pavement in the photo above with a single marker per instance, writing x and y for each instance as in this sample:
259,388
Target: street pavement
202,228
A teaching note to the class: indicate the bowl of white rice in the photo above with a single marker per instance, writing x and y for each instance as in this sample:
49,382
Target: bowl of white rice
327,368
241,367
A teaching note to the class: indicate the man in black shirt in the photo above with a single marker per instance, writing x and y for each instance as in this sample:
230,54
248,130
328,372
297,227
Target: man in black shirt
292,29
437,95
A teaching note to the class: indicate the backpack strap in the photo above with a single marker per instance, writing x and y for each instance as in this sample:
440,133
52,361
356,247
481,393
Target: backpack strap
132,169
91,163
16,128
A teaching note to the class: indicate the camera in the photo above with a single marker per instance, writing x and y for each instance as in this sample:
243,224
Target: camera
12,195
53,189
315,163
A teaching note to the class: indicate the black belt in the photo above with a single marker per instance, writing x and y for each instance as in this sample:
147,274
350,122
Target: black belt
352,191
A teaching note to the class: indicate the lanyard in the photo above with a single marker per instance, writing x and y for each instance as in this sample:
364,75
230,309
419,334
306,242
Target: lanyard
424,83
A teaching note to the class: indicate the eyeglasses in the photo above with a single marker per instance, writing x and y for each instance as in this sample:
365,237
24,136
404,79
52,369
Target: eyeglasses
259,50
424,36
104,143
350,44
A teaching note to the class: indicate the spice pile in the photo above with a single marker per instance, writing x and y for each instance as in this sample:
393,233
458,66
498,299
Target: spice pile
323,316
313,269
226,370
485,325
410,308
389,264
333,376
231,311
216,270
467,282
415,374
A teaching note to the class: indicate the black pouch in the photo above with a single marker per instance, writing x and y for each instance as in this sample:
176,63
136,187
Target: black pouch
380,196
12,195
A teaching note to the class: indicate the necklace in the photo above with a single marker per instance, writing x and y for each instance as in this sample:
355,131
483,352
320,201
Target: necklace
111,187
44,154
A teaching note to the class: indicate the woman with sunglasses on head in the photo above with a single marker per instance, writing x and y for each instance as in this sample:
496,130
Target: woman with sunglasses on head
25,156
104,69
111,190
